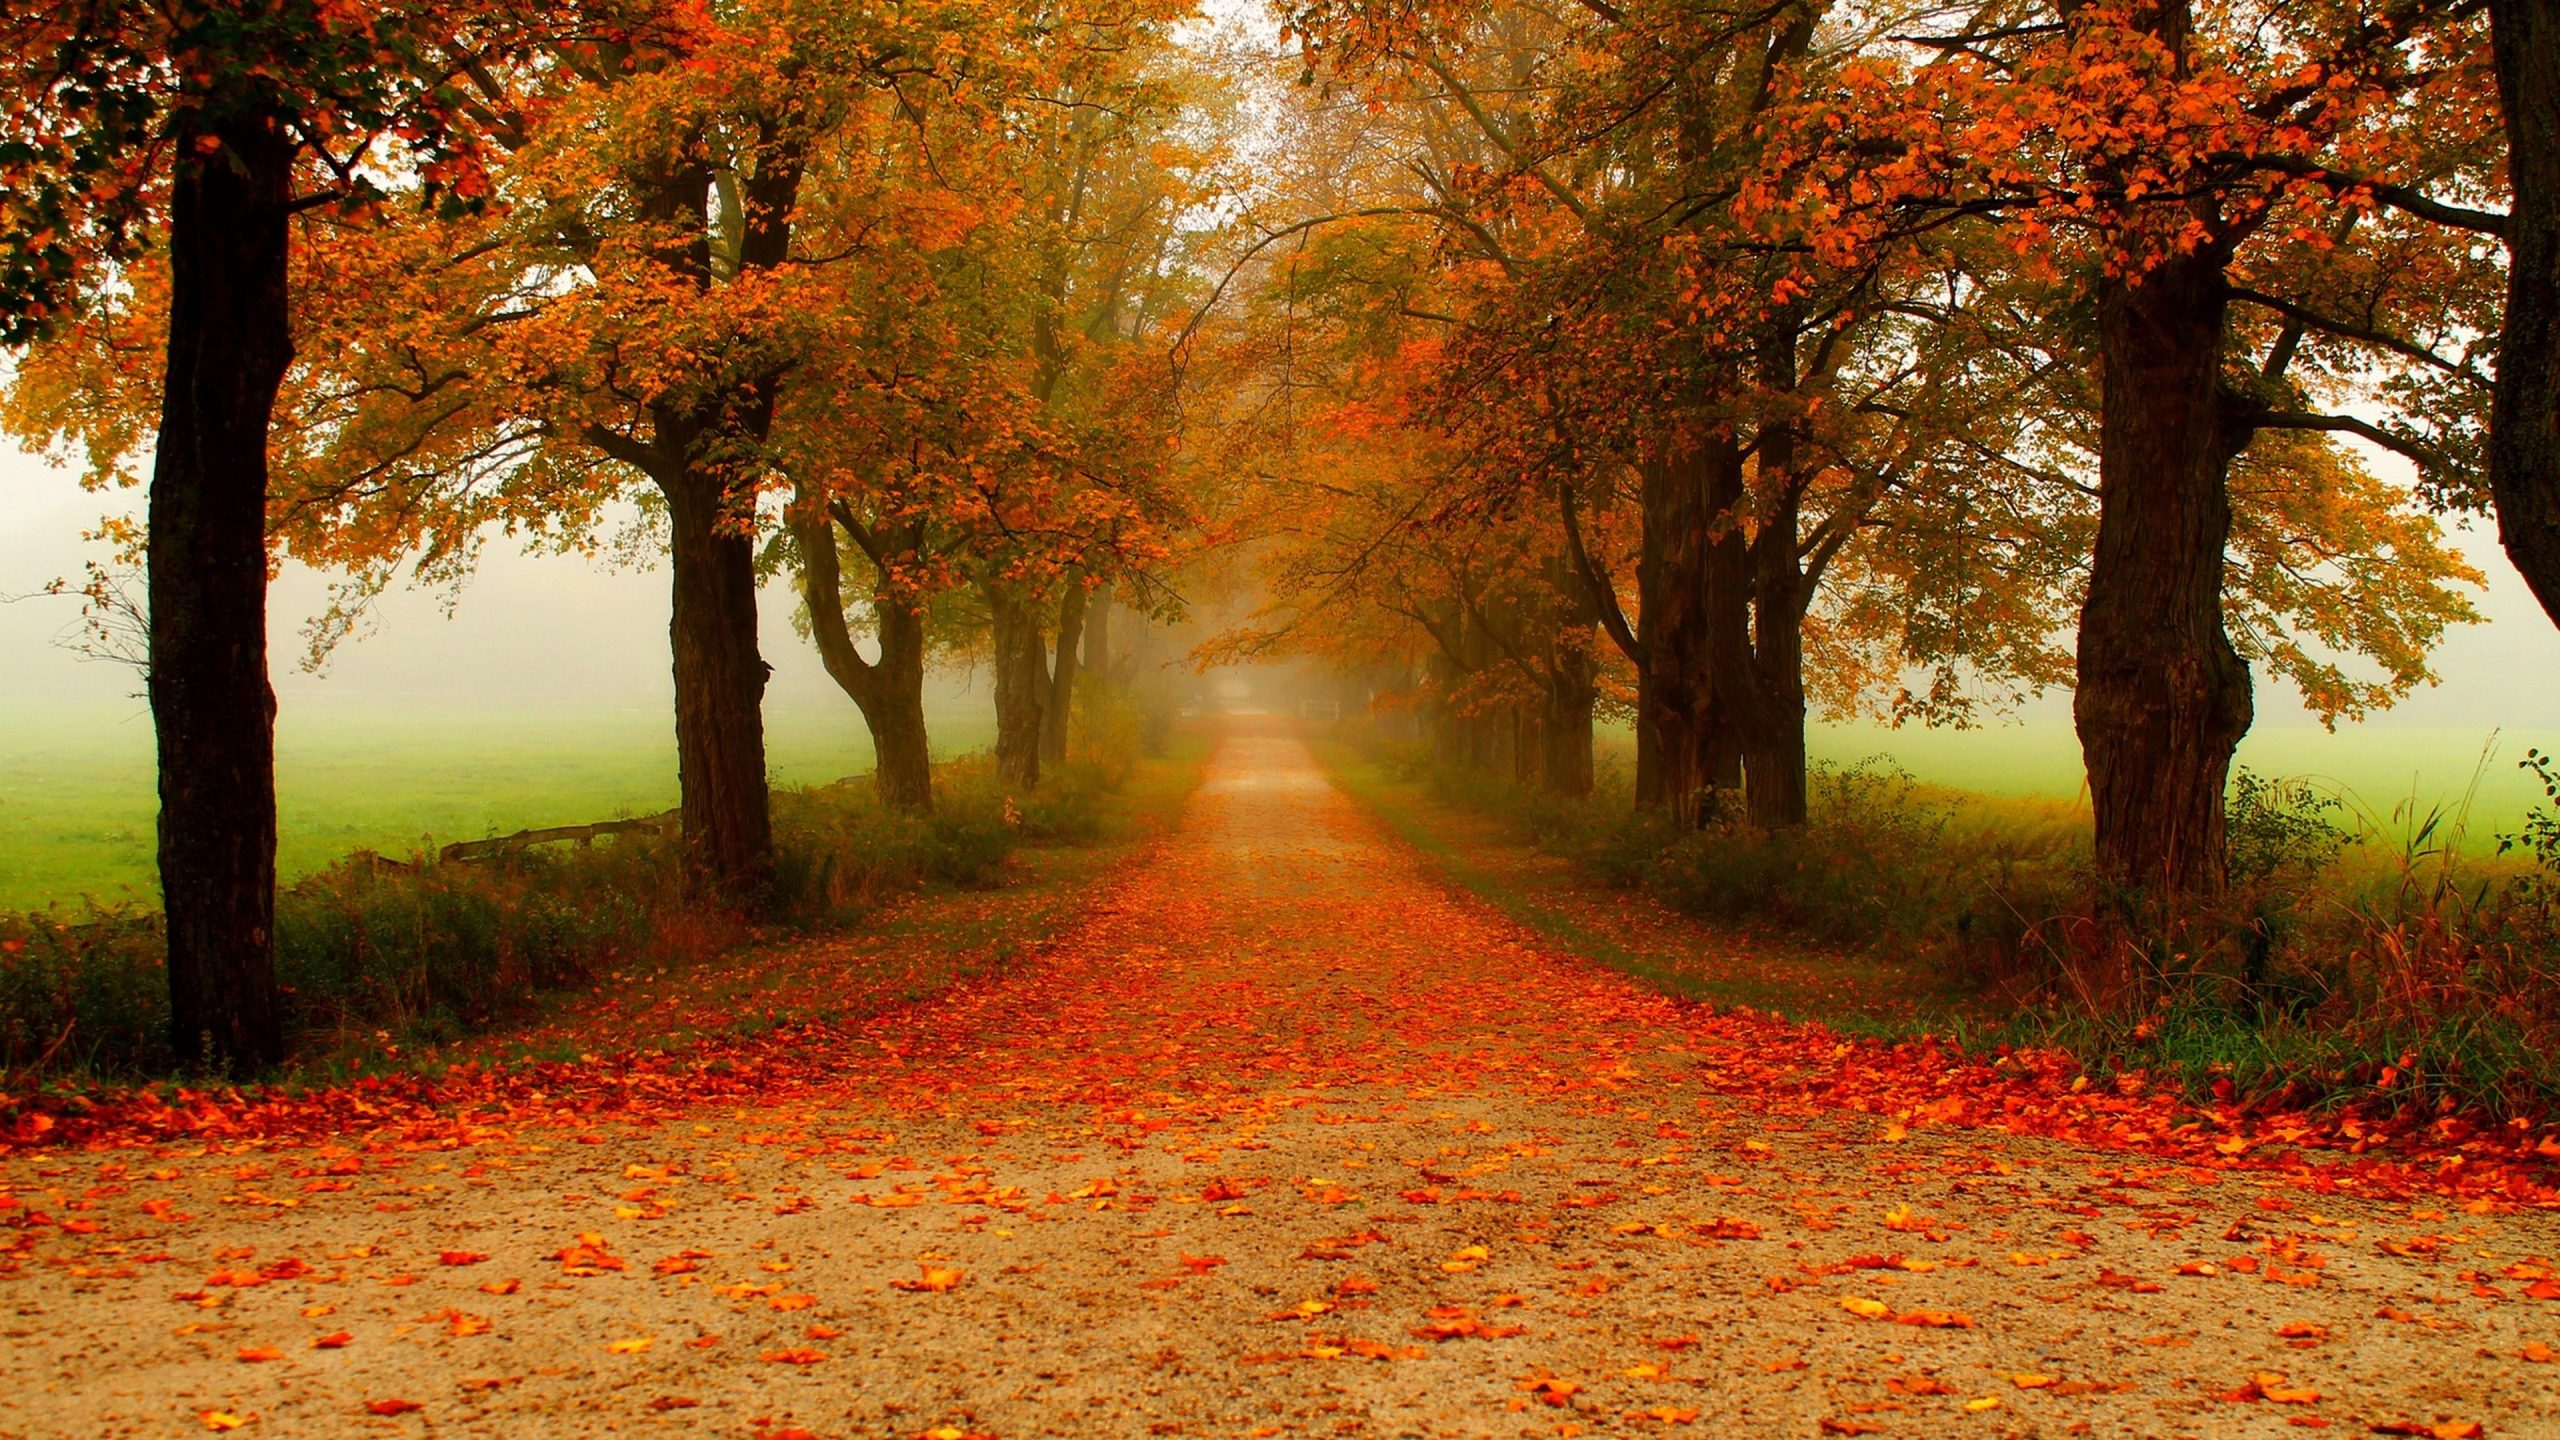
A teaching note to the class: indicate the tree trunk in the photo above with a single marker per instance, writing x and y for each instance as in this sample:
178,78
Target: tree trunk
1690,756
2163,698
888,692
212,711
2524,421
1564,731
1773,708
1062,680
1021,685
719,678
1097,634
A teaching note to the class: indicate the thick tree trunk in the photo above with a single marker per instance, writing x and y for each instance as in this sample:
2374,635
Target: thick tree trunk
890,691
1564,731
2163,698
212,710
719,678
1021,686
1692,751
2524,422
1060,703
903,771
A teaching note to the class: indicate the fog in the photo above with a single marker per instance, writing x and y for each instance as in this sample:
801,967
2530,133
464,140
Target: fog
562,637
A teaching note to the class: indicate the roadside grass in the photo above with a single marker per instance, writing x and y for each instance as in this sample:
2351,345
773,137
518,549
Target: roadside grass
2389,962
78,798
1868,992
909,946
408,969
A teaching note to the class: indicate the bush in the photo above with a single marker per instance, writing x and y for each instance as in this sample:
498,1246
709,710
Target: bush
430,949
2330,967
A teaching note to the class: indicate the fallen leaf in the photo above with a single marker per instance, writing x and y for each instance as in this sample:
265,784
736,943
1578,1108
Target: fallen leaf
934,1282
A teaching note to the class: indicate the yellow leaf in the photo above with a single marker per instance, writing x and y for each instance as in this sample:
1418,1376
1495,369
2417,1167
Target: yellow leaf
630,1347
1862,1306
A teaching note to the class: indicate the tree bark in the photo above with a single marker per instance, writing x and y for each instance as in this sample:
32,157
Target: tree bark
1021,685
1564,731
719,679
212,710
2163,697
1097,634
1059,704
1692,753
1769,699
890,691
2524,420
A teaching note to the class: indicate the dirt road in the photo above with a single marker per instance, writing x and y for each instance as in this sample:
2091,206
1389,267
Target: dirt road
1288,1139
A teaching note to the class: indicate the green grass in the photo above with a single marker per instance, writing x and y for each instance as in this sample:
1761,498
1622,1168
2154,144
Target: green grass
2408,971
2035,769
77,799
1854,992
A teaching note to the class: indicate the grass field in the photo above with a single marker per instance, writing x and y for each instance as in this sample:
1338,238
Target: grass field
2388,776
77,800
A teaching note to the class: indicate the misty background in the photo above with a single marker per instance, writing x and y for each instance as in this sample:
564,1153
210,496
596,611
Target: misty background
542,696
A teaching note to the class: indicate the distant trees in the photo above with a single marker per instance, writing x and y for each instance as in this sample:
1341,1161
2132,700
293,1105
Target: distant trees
1849,359
559,259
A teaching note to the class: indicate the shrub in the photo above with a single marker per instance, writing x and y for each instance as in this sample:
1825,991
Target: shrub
431,949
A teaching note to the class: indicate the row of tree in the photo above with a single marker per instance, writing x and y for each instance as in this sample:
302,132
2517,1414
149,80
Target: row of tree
868,294
1714,361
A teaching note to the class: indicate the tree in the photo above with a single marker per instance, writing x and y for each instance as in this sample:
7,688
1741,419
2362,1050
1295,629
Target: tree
205,130
2524,425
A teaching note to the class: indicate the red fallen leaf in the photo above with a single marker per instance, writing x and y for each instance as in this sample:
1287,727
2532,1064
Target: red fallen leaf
1555,1392
934,1281
392,1407
2441,1430
1676,1342
1355,1285
253,1354
334,1340
1918,1385
673,1402
460,1257
1222,1190
1729,1230
801,1356
1203,1264
1936,1319
587,1257
1848,1427
675,1265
